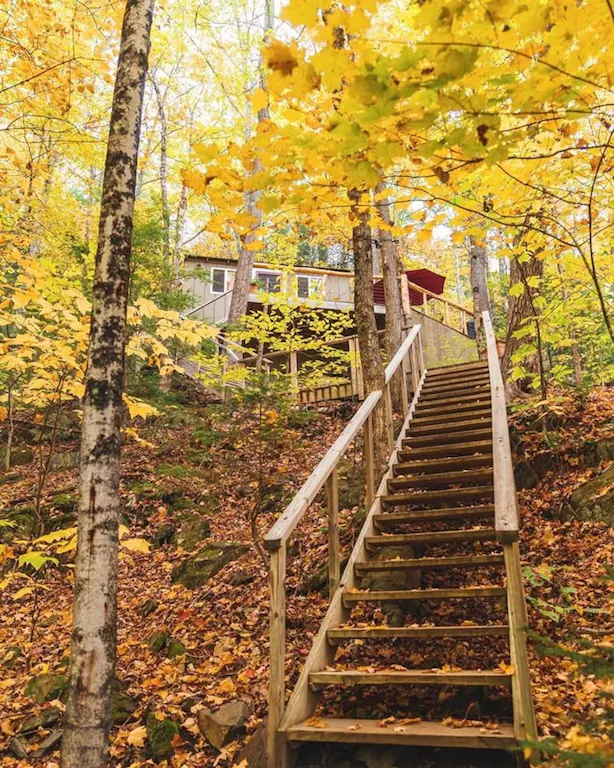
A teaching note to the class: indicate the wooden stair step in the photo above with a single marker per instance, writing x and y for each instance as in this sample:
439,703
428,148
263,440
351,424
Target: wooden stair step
340,634
319,680
443,440
456,416
450,398
434,515
452,388
424,734
429,563
451,593
427,498
475,404
446,370
430,537
446,452
443,427
441,479
434,466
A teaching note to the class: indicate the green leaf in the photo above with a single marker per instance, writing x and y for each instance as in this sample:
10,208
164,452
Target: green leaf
36,560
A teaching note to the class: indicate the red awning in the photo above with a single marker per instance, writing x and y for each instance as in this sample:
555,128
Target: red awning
431,281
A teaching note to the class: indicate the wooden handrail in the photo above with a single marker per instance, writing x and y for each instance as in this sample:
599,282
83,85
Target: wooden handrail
506,505
281,531
443,299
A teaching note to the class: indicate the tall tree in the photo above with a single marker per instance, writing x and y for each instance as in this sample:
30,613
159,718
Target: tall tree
243,275
93,648
479,288
392,275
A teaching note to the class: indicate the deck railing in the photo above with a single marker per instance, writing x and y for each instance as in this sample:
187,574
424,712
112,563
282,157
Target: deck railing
507,525
325,475
447,312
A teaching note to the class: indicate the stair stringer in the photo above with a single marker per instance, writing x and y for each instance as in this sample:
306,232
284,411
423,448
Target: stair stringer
303,700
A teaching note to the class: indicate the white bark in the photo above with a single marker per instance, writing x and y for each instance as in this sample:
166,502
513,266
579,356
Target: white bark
93,649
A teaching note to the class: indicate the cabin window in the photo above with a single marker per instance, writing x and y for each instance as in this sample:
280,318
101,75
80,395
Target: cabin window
308,287
268,282
218,280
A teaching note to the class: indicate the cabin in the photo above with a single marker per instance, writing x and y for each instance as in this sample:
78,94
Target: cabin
447,328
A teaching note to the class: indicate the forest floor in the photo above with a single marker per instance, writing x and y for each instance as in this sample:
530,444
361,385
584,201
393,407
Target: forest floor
198,462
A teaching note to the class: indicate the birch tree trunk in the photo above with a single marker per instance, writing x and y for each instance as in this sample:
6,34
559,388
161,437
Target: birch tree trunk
479,289
243,275
166,213
93,648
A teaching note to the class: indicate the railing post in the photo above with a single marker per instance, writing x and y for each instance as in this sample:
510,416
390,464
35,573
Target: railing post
446,312
425,304
277,687
368,456
463,323
389,417
334,558
353,365
293,365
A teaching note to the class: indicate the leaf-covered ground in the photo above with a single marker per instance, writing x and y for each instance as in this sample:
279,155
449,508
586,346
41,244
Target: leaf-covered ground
210,467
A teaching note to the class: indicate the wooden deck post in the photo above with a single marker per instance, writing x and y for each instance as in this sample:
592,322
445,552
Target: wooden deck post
277,686
389,417
368,455
293,368
425,304
334,557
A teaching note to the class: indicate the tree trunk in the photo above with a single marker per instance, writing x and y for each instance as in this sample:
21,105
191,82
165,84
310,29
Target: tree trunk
182,210
366,327
479,289
243,276
520,311
392,295
93,649
166,214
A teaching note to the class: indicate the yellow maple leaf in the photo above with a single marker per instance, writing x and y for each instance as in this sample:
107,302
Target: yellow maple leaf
137,736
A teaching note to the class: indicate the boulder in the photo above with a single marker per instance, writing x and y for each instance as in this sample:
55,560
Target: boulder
197,570
160,735
595,500
605,449
525,475
147,607
47,717
163,535
175,649
192,530
48,744
158,640
123,706
253,754
224,725
19,456
46,687
64,460
384,581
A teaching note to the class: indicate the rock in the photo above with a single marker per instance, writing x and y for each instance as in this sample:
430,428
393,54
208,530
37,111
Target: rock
158,640
197,570
163,535
64,460
65,502
123,707
605,449
241,577
384,581
19,456
46,687
192,530
47,745
175,649
19,747
254,752
147,607
160,734
224,725
526,477
47,717
23,526
595,500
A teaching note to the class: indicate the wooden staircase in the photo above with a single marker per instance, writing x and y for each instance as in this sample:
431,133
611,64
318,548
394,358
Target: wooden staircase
442,532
